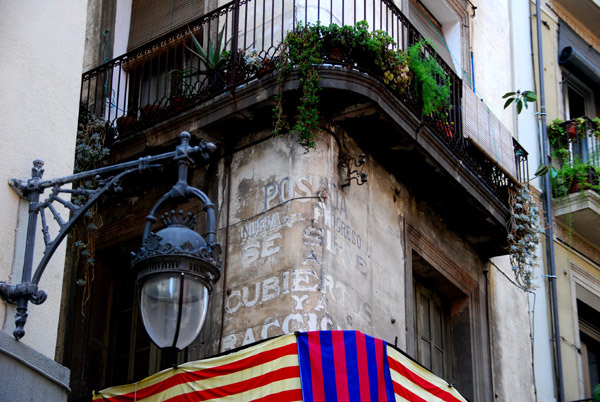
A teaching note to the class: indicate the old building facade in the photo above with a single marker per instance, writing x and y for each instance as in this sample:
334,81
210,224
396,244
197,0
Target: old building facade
393,224
571,60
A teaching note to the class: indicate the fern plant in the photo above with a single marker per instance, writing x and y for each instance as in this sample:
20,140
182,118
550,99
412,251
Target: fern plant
431,83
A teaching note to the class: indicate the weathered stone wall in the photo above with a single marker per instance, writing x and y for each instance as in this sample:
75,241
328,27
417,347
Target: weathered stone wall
305,253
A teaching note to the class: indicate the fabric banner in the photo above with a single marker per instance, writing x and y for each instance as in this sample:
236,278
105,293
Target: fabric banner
343,366
265,372
413,382
321,366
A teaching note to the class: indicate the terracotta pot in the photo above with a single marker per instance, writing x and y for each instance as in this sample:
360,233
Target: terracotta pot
572,130
178,103
151,112
125,124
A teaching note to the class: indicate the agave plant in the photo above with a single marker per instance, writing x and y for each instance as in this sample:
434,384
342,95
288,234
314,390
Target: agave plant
214,57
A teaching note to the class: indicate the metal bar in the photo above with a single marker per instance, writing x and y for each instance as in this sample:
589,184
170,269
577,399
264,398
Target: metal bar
272,21
235,34
34,198
318,10
548,209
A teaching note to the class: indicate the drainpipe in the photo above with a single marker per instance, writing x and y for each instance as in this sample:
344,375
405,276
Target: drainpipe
548,210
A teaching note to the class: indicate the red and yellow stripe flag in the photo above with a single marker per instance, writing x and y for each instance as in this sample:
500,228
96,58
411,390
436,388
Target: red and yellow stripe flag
265,372
414,383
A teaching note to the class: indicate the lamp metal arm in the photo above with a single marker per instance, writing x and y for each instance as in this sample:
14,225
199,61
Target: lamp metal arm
108,177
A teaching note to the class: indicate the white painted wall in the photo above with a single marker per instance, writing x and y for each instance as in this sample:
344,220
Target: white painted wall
490,31
40,76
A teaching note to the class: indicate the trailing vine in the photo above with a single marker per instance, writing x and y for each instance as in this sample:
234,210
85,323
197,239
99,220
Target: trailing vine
523,235
302,49
352,46
90,153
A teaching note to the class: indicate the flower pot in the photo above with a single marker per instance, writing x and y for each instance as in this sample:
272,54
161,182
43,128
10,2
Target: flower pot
126,124
572,130
336,54
151,112
178,103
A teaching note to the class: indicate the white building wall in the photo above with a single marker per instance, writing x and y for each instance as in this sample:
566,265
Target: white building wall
40,76
527,132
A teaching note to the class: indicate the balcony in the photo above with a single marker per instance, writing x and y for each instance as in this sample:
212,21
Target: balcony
576,177
162,82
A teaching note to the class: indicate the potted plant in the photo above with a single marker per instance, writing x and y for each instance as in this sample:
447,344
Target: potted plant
214,57
574,177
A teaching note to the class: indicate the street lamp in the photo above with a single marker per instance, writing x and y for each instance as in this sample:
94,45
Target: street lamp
176,267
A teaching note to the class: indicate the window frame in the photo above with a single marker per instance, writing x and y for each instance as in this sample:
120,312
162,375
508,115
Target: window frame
572,82
477,384
444,346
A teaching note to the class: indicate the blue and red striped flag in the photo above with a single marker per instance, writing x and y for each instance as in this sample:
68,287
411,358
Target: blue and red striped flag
344,366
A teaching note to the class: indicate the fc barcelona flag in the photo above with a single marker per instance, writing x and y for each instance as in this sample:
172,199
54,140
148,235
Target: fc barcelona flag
323,366
344,366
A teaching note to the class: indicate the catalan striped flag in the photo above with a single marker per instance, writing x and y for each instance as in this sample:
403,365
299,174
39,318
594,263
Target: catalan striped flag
343,366
414,383
267,372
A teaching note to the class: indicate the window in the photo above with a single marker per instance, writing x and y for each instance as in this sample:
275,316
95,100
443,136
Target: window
431,331
579,99
153,18
445,24
445,332
589,336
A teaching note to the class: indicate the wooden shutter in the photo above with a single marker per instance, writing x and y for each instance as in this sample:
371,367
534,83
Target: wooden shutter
153,18
430,330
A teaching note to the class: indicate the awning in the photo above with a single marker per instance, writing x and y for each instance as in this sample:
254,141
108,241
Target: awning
307,366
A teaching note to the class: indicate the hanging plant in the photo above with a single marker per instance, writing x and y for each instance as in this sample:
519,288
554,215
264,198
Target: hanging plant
90,153
352,46
523,235
302,49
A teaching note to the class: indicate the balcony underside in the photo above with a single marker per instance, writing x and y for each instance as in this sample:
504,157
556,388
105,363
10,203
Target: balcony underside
383,126
581,213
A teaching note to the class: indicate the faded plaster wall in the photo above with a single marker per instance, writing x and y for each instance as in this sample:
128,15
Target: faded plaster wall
511,335
40,76
306,254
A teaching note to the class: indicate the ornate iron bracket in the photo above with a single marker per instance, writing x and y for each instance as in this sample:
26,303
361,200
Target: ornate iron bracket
108,178
354,165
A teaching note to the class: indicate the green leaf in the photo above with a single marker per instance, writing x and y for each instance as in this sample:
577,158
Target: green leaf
519,106
541,170
506,95
530,96
508,102
199,50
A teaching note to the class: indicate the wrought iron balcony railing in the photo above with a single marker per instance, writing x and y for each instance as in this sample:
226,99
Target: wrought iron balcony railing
164,78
